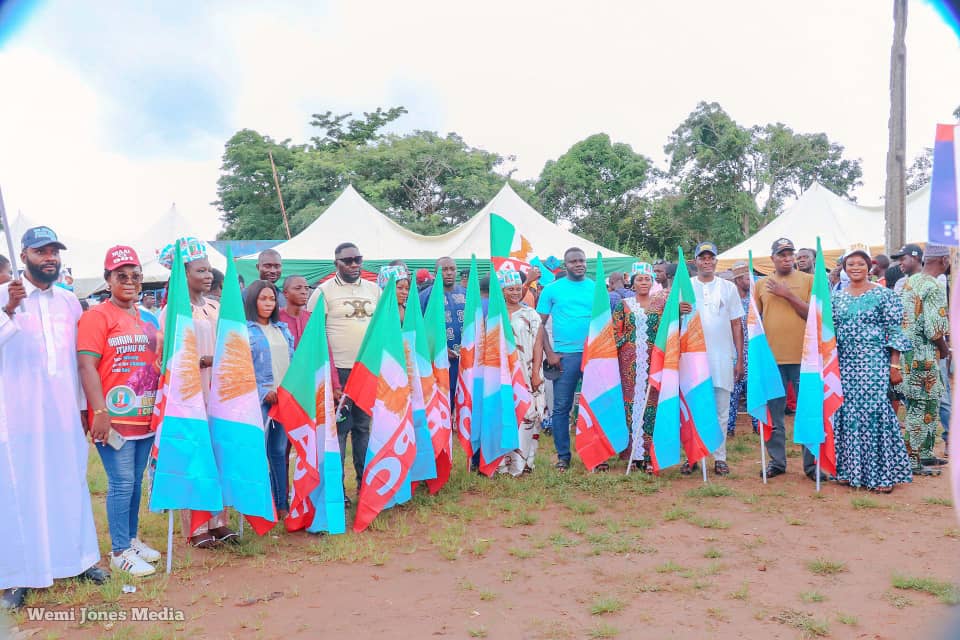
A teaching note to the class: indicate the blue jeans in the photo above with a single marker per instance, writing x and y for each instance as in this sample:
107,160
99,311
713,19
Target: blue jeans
124,469
564,388
277,457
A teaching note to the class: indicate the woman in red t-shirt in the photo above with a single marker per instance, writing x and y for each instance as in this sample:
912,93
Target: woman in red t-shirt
117,356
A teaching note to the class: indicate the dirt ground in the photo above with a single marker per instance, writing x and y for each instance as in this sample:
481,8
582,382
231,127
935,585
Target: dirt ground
568,556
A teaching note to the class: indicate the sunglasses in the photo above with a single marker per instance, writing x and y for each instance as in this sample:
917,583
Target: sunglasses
135,278
358,260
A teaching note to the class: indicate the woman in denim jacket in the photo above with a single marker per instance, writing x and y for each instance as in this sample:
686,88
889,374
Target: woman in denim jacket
272,346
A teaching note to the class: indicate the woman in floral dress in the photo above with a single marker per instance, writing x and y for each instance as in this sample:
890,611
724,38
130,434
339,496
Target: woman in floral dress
635,323
870,449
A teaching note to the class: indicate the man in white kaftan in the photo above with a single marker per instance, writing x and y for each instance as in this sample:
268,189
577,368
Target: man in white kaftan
46,521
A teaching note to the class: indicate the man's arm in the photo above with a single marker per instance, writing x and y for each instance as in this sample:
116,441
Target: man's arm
738,368
782,291
543,342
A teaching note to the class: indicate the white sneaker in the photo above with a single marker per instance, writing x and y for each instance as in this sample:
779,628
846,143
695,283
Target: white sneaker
147,553
133,564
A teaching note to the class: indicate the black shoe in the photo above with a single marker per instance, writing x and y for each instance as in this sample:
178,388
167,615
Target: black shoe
824,476
562,465
773,472
347,502
95,574
12,599
688,468
933,462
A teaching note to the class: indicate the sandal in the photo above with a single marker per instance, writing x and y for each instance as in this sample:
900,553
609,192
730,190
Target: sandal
226,534
926,471
720,468
882,489
688,468
203,541
603,467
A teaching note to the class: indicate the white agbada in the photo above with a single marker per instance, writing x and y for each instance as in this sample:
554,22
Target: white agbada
46,520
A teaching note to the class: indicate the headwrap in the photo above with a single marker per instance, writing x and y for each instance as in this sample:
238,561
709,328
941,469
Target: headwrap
190,248
509,278
643,268
398,270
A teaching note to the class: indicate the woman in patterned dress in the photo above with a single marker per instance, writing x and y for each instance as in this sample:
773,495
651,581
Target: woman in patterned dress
870,449
635,323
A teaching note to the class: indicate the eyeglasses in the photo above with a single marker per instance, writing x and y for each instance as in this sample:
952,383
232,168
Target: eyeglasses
135,278
358,260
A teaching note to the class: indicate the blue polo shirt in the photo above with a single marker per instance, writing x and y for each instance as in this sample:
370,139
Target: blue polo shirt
570,304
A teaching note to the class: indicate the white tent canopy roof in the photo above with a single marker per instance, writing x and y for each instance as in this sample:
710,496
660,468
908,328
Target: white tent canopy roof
350,217
837,221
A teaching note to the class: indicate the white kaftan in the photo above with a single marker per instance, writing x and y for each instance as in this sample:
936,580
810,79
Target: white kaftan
46,521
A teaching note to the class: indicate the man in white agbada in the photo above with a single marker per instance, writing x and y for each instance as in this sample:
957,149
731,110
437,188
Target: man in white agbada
46,521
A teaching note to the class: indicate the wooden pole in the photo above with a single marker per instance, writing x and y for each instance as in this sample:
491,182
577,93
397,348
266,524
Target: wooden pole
276,182
895,196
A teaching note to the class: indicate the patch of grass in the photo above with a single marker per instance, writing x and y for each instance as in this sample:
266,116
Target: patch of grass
603,630
709,523
711,491
677,513
898,601
480,547
649,587
580,507
486,595
605,604
717,614
521,554
560,540
865,502
670,567
809,626
522,518
480,632
945,591
578,525
812,596
712,553
824,567
847,619
940,502
742,593
952,532
449,539
795,522
639,522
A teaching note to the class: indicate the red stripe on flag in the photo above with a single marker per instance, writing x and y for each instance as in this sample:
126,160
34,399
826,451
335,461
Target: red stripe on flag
197,520
306,476
444,466
261,525
689,438
593,447
945,133
361,387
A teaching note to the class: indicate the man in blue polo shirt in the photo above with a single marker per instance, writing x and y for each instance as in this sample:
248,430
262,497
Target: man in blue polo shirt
569,301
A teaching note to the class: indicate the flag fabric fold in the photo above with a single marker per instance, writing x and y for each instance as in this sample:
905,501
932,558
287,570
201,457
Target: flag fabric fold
392,449
423,389
439,414
505,394
236,418
820,393
305,409
186,475
686,412
601,420
945,186
469,401
508,246
764,382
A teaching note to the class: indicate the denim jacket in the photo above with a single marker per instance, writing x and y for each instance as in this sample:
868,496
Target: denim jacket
262,361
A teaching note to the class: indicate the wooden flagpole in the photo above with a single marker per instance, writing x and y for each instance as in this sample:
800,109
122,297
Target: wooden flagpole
276,182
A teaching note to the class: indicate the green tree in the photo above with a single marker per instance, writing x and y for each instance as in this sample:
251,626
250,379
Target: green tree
339,131
919,172
595,185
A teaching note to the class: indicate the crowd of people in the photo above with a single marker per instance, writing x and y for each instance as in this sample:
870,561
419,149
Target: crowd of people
891,327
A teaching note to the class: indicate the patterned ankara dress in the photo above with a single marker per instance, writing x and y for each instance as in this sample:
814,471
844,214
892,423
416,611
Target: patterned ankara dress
924,321
634,357
870,450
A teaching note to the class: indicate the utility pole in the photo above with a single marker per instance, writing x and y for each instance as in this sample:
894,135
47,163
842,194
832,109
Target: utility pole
894,205
276,182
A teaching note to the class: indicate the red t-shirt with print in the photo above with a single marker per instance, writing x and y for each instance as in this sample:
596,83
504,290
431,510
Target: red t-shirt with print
127,348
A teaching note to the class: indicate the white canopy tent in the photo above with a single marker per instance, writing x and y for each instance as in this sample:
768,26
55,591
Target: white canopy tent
837,221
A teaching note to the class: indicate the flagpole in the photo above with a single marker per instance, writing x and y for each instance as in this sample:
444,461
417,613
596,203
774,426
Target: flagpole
169,541
818,473
8,232
763,455
703,466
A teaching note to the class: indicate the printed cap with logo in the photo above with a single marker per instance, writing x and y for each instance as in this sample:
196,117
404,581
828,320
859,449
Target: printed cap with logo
509,278
643,268
909,250
740,269
704,247
36,237
858,248
397,270
120,256
782,244
423,276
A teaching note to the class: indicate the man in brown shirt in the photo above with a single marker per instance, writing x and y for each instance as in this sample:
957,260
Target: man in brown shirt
783,300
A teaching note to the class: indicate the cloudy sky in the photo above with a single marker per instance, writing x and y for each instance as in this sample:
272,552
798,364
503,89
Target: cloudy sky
111,111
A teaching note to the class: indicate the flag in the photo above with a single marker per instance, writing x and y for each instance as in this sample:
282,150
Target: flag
305,409
186,475
236,419
820,393
945,186
679,370
380,387
505,394
508,246
423,388
763,382
469,400
438,406
601,421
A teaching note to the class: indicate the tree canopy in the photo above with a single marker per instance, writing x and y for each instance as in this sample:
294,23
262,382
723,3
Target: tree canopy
722,182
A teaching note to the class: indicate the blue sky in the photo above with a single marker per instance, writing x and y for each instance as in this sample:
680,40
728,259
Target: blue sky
115,109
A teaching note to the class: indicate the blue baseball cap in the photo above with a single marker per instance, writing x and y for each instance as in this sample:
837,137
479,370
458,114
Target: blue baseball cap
703,247
36,237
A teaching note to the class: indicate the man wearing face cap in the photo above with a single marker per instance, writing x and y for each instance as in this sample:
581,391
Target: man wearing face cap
46,521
